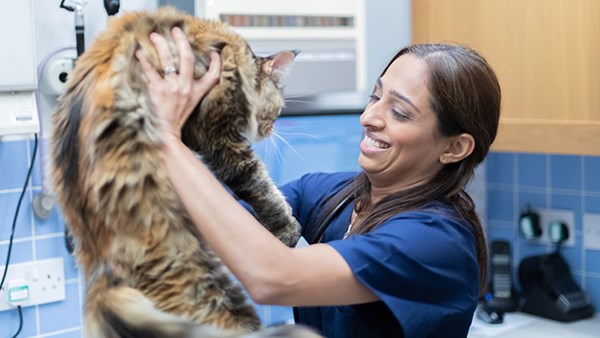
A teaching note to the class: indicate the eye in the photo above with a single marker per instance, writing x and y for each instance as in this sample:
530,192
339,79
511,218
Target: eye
401,114
373,97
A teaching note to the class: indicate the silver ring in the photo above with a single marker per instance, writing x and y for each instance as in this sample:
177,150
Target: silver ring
170,70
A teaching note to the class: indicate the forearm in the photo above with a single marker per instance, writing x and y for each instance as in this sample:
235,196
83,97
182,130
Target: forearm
244,245
270,271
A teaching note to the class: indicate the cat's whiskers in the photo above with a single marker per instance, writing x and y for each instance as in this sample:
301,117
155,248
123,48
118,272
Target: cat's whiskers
299,98
276,135
288,100
289,133
278,154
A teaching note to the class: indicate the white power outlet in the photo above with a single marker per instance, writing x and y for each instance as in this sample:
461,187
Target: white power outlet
551,215
32,283
591,231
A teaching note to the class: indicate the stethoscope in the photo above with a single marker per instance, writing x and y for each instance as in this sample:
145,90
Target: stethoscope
332,214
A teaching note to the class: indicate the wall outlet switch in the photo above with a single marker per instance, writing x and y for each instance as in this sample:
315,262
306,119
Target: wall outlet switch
591,231
33,283
548,216
18,113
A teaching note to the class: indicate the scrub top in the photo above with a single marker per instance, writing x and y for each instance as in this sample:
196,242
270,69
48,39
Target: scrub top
421,264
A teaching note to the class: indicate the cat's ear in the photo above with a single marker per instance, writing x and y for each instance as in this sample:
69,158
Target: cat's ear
278,65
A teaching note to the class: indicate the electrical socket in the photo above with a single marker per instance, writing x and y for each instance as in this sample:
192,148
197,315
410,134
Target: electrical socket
549,215
33,283
591,231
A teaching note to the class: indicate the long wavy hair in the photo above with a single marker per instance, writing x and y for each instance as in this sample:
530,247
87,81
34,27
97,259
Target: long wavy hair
465,97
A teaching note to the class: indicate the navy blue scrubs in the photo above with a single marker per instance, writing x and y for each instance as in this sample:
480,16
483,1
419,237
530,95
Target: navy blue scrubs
421,264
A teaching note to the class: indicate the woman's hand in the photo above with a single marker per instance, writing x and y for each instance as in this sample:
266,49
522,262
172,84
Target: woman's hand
177,93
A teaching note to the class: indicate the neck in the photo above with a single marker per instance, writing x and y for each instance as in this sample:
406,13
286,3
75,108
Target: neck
379,190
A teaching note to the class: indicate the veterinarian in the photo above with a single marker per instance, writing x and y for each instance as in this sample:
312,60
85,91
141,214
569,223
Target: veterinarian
402,252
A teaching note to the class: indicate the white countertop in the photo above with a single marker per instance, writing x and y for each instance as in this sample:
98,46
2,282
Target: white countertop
519,325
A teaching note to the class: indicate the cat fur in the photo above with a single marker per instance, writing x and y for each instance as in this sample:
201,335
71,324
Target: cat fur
148,271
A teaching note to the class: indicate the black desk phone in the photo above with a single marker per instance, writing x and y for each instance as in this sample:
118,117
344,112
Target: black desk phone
550,291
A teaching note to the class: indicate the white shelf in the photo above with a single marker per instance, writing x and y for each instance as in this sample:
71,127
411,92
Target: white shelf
303,30
295,33
212,8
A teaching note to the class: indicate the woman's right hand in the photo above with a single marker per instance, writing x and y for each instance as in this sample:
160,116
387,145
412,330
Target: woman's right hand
175,94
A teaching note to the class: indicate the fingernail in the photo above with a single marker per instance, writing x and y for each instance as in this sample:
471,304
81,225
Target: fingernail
153,35
177,30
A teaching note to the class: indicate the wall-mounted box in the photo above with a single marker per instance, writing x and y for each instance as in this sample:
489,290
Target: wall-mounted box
18,79
18,113
329,35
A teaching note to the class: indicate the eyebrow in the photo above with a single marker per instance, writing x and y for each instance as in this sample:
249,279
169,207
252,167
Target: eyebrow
399,96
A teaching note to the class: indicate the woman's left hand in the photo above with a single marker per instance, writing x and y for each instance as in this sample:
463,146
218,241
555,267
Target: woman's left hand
177,93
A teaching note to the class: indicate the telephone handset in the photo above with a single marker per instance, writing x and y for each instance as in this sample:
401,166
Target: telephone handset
500,264
500,298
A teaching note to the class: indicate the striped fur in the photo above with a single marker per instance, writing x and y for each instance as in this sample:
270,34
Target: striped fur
148,271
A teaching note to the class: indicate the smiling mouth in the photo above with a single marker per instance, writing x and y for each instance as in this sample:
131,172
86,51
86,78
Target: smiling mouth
375,144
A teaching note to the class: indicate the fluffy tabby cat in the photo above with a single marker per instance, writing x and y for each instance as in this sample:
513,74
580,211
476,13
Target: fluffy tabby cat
148,272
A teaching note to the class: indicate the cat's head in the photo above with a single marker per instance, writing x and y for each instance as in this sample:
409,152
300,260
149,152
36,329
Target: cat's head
269,96
244,104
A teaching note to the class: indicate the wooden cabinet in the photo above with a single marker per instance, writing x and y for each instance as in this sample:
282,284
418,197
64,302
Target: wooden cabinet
546,54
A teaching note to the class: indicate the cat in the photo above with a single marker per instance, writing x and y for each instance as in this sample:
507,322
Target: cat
148,271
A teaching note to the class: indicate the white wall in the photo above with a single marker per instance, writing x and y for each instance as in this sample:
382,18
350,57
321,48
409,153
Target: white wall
55,38
388,29
55,27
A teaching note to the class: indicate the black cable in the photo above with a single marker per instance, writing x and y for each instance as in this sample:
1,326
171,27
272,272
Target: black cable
12,234
20,321
67,7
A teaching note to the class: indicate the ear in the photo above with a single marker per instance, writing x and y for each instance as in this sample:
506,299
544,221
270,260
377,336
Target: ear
278,65
459,147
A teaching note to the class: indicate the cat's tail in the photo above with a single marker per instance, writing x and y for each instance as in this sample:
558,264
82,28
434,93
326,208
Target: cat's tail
126,312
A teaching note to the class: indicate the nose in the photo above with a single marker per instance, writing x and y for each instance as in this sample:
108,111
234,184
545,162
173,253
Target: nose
372,116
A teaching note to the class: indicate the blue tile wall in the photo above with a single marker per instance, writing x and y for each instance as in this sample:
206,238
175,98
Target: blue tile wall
318,143
34,239
565,182
305,144
311,143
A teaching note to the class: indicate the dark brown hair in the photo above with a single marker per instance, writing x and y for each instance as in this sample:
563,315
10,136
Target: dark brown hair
465,96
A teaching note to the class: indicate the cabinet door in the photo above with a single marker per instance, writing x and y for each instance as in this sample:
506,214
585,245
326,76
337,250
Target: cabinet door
546,54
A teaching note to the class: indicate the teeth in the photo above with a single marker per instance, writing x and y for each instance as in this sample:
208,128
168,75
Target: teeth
376,144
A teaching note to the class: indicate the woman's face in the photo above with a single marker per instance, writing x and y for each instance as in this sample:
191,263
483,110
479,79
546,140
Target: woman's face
401,145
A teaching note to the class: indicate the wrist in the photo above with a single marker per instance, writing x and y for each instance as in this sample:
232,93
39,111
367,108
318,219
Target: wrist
170,142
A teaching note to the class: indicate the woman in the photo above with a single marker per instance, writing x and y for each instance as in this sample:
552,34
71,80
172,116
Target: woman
405,254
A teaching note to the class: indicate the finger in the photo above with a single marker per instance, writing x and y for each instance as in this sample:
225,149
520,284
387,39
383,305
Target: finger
213,75
162,48
186,56
203,85
150,72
